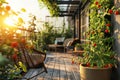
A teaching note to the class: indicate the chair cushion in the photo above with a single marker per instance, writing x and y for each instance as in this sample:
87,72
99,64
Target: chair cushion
59,40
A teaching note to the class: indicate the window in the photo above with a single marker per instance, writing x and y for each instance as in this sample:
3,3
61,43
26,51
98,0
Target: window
84,23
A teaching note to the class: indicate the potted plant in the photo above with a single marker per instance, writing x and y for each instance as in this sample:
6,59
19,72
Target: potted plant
78,46
98,57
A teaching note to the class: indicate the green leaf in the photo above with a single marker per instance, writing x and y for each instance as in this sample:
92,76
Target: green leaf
3,60
23,66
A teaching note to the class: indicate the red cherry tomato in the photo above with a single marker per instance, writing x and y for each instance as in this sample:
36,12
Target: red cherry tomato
88,64
14,44
96,3
116,12
110,11
14,56
108,24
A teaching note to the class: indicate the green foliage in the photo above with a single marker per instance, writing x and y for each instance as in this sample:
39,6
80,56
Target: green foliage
10,72
22,66
9,39
68,33
52,6
3,60
99,52
49,34
78,45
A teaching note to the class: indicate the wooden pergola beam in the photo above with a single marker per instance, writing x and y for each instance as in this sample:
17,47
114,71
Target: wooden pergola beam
68,2
62,15
66,11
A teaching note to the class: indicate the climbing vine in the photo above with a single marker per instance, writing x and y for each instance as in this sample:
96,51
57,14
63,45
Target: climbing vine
99,51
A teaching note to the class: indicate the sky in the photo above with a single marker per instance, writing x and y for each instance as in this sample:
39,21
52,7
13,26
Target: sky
31,6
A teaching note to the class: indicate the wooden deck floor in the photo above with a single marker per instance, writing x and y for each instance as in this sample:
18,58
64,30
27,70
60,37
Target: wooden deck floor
59,67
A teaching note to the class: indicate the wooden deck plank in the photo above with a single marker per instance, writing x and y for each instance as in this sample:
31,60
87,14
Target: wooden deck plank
34,73
75,70
76,73
56,72
59,67
28,74
41,77
50,69
63,74
68,70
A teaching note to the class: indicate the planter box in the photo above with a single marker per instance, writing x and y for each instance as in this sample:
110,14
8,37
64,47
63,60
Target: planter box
88,73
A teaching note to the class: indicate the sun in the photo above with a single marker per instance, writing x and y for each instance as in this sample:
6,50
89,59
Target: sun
9,22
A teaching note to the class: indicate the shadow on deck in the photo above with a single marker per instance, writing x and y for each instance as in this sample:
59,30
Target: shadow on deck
59,67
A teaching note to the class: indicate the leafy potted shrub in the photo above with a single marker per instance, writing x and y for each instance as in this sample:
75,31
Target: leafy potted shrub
98,58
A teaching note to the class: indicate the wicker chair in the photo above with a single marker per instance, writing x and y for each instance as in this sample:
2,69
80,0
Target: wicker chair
32,60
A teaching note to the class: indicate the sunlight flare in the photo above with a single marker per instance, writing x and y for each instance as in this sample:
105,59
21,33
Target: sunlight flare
8,21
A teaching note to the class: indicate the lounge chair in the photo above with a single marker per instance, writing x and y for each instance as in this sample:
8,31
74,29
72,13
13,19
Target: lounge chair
68,44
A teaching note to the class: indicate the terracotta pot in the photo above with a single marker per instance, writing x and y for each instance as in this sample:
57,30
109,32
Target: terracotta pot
88,73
